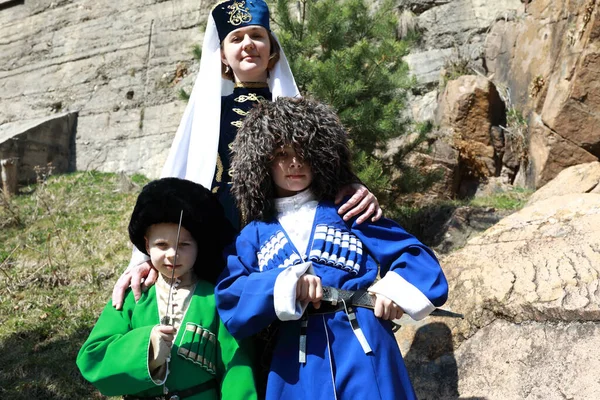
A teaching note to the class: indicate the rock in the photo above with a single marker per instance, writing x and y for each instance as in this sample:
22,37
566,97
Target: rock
39,143
419,6
583,178
530,293
423,107
530,361
508,271
550,153
106,62
458,21
548,61
470,106
464,224
426,65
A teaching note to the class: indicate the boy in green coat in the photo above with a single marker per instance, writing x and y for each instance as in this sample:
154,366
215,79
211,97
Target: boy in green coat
191,356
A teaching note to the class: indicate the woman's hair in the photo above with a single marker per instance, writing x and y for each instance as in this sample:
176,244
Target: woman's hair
273,58
316,134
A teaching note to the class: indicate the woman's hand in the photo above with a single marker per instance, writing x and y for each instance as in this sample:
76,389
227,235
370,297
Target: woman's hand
386,309
140,277
362,201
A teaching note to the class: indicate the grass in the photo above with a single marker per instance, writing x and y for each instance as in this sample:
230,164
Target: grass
511,200
63,244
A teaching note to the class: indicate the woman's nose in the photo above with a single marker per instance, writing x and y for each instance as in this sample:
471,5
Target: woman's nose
247,43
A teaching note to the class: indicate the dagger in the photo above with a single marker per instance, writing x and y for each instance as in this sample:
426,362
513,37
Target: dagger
167,320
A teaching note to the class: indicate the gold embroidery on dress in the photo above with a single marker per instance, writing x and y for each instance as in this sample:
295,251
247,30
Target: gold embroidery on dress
239,111
239,13
218,174
249,97
237,124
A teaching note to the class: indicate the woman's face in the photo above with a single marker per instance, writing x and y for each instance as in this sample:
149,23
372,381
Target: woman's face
246,50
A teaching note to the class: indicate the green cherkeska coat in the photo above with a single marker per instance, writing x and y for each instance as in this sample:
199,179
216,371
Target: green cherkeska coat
115,356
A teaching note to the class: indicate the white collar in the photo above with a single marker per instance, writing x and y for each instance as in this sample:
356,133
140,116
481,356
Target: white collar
294,202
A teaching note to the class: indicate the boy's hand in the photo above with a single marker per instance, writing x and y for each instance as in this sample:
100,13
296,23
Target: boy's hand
362,201
308,288
386,309
134,277
161,341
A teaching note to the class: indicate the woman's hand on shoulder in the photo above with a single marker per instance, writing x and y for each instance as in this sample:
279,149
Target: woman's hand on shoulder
140,278
362,202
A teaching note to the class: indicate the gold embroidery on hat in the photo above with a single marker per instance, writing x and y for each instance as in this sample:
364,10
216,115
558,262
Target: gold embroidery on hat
239,13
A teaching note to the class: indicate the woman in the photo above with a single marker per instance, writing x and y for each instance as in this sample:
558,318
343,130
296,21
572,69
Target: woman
236,67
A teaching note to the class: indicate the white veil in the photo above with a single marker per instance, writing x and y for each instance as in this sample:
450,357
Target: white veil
193,154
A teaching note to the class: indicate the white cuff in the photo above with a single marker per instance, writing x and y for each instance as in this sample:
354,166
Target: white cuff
284,292
404,294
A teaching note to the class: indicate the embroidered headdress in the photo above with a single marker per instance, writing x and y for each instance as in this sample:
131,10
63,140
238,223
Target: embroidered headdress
317,135
193,154
230,15
162,200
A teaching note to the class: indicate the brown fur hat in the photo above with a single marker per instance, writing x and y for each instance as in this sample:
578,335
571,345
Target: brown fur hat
162,200
316,134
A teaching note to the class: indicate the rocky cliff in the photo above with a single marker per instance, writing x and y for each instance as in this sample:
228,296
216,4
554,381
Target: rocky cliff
540,59
119,64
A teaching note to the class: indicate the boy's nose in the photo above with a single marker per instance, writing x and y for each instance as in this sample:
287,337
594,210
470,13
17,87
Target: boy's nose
296,162
170,252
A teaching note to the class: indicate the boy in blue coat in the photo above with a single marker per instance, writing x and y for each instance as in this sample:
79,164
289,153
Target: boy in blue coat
289,160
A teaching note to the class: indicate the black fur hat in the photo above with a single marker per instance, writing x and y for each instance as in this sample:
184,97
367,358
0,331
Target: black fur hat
315,132
162,200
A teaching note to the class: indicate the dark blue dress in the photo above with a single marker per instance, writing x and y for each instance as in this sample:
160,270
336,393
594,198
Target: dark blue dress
233,110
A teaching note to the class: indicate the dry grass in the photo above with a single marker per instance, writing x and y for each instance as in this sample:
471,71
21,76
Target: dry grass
63,243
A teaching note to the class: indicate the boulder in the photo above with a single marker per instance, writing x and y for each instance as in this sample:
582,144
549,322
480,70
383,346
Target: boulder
550,153
39,143
470,106
528,287
583,178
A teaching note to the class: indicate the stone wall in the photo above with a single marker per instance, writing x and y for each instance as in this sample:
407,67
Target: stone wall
113,62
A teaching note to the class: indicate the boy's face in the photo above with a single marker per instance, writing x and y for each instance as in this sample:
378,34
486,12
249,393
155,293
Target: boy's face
160,244
290,172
